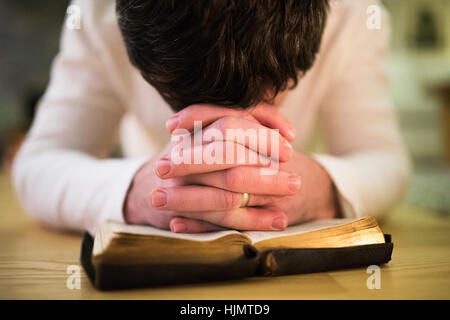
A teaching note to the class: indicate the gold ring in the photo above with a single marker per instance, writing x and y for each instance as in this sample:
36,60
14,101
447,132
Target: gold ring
245,199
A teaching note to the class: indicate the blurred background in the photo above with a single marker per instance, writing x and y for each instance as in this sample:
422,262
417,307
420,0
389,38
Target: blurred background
419,65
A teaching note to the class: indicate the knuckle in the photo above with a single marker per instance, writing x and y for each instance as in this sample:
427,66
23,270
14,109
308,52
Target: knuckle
276,114
274,201
279,115
224,123
273,112
227,220
230,200
278,181
186,113
234,179
189,109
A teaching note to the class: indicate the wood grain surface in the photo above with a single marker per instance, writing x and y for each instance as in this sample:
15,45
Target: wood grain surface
34,261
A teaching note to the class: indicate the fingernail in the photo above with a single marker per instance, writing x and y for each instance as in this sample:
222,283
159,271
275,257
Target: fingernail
172,123
294,183
288,148
279,223
159,198
179,227
163,167
291,134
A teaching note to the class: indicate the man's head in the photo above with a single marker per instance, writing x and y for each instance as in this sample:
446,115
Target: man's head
223,52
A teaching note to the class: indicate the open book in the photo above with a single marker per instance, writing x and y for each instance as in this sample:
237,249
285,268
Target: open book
124,255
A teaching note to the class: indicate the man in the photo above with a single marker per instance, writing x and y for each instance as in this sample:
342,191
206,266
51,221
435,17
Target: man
258,64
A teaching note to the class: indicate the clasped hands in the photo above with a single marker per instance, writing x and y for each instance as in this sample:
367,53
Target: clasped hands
200,197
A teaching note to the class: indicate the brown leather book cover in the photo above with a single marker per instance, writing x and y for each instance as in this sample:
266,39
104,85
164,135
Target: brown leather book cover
274,262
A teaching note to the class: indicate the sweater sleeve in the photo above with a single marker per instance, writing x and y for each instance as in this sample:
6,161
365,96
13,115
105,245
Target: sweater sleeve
367,159
61,173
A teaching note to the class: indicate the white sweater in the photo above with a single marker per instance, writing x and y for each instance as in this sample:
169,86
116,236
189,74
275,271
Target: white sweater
63,176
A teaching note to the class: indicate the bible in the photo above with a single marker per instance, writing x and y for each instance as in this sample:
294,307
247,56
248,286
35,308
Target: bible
129,256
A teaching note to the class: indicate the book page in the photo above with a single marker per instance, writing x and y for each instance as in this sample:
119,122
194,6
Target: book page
117,227
257,236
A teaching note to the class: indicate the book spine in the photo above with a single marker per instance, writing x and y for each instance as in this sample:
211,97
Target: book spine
295,261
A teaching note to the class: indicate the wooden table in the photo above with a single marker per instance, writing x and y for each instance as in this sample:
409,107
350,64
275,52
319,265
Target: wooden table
34,261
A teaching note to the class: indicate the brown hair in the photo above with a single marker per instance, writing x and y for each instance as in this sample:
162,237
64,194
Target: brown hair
223,52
